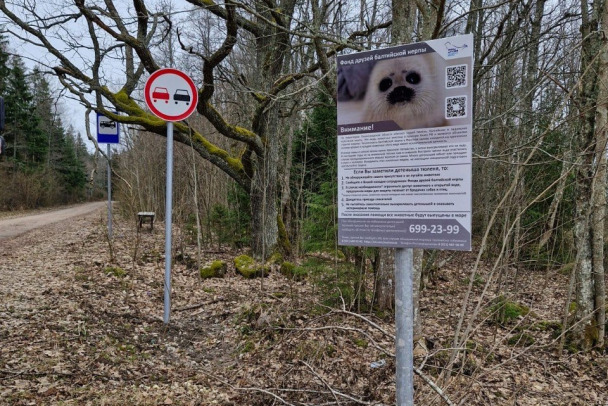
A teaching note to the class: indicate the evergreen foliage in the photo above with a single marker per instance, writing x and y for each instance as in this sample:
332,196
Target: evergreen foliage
315,156
26,143
541,175
43,164
4,63
230,223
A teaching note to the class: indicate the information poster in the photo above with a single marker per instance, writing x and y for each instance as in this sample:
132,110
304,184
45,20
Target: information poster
405,145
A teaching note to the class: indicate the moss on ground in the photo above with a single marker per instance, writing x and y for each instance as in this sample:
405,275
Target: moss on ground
505,311
216,269
249,268
115,271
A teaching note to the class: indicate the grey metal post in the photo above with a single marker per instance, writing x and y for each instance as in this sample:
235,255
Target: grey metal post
404,323
168,214
109,153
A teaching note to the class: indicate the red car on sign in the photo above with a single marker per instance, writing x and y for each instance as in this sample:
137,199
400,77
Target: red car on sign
160,93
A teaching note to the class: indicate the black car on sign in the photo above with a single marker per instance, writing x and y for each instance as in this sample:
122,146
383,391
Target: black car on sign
108,124
181,95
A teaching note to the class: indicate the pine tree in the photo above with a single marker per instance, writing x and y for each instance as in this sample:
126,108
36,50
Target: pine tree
71,169
4,64
43,101
26,141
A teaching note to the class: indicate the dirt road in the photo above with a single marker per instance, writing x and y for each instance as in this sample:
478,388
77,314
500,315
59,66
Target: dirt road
16,226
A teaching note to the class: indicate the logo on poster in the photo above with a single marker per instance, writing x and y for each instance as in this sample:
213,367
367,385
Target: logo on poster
454,49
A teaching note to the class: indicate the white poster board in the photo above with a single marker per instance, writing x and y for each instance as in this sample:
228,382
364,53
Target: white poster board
405,145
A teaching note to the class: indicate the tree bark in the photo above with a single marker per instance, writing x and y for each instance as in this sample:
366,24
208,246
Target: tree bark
599,185
272,46
591,181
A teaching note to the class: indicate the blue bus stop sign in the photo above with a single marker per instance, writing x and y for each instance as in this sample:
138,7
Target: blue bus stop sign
107,130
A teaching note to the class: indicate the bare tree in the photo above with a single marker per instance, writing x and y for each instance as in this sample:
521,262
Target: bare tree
86,41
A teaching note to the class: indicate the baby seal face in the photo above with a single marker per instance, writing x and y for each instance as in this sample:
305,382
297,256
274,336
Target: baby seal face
407,91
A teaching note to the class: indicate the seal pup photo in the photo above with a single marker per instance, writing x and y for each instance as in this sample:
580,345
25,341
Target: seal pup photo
406,90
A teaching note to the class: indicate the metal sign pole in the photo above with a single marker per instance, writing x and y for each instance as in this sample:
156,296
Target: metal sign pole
404,323
109,152
164,85
168,214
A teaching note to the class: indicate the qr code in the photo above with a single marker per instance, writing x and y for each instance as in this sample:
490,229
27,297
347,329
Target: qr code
455,76
456,107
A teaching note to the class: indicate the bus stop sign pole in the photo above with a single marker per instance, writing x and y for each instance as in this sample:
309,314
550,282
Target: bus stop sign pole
109,153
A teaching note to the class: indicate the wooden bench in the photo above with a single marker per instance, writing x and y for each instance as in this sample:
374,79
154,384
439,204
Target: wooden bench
144,215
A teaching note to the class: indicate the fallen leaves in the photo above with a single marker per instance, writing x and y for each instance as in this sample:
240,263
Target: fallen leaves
73,333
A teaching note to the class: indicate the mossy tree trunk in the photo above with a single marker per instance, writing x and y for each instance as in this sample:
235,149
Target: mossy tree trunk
272,46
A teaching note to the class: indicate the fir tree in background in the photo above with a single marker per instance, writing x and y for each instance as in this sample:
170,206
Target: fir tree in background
4,63
315,166
71,169
23,132
44,163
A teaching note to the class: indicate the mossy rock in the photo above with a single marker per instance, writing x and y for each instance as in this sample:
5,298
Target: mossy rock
115,271
216,269
504,310
249,268
292,271
287,268
521,340
275,259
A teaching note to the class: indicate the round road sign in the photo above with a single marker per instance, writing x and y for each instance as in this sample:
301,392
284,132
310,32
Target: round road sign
171,94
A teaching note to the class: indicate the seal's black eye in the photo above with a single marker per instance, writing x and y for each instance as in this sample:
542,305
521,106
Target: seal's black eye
413,78
385,84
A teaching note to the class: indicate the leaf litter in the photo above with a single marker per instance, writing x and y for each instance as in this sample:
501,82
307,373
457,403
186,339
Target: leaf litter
73,333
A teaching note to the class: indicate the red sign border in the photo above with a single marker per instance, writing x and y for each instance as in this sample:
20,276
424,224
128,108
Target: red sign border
189,81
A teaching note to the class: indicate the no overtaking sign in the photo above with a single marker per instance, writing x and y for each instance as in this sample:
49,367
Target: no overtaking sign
170,94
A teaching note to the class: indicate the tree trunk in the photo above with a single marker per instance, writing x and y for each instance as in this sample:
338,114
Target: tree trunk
599,187
591,182
584,285
263,194
271,48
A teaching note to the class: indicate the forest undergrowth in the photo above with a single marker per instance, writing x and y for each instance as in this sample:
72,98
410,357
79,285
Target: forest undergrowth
81,322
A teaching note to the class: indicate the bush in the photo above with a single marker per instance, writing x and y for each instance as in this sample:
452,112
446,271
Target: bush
230,223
